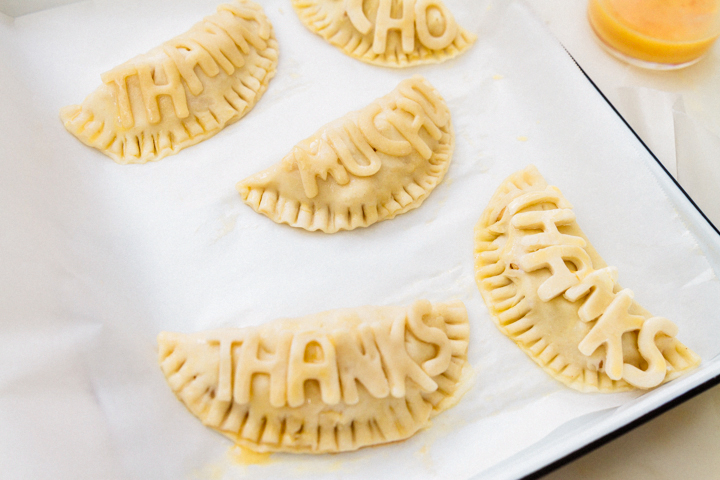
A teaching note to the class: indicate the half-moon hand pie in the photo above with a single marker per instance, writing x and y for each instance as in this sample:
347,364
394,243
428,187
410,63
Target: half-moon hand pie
367,166
329,382
182,92
390,33
549,291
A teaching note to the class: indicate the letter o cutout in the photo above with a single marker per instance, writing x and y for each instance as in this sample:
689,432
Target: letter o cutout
423,29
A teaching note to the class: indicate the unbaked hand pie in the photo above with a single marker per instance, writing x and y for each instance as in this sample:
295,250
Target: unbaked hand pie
182,92
330,382
551,293
391,33
367,166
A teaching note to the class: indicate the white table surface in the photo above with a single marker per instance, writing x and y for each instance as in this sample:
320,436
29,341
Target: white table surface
677,114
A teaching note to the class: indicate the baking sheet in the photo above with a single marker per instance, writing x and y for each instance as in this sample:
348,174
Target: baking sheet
98,258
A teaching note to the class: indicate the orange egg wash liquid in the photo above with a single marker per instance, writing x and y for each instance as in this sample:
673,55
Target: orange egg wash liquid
657,33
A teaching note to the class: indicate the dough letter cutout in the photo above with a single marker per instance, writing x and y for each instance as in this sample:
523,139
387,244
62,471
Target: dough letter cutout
182,92
365,167
549,291
390,33
330,382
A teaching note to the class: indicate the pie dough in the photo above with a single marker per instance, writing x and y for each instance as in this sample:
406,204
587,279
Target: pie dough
551,293
330,382
182,92
384,160
390,33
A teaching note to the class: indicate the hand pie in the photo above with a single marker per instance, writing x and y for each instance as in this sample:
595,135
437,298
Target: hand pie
390,33
182,92
330,382
384,160
551,293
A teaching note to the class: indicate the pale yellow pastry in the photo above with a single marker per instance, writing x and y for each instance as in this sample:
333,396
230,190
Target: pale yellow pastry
551,293
367,166
391,33
182,92
330,382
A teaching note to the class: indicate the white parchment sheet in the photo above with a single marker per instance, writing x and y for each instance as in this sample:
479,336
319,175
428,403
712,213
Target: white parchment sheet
96,258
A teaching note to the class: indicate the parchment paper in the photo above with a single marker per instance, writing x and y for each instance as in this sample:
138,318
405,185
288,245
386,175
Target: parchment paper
98,258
